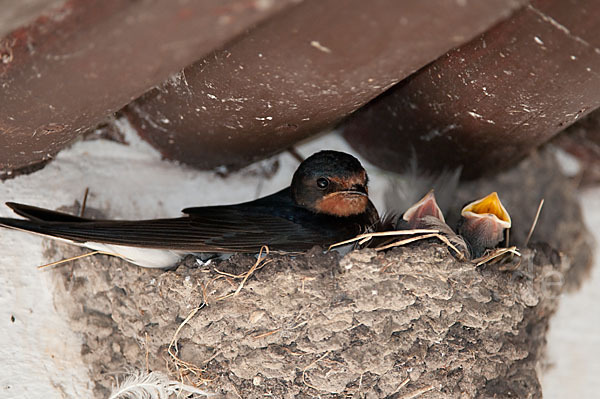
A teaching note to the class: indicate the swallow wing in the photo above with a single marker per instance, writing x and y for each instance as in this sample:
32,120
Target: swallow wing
247,228
236,228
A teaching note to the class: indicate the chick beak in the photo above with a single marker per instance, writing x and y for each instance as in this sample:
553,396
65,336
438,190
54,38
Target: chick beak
426,206
483,223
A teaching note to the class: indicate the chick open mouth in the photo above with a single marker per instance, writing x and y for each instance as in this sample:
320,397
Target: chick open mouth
489,205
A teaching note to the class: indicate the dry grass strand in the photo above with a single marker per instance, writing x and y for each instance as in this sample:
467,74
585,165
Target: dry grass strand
535,220
311,365
58,262
417,393
181,365
362,238
496,254
260,263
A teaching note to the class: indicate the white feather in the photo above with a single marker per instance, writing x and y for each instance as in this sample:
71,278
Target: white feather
153,385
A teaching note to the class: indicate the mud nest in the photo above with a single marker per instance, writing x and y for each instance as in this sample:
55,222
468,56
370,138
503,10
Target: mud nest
411,322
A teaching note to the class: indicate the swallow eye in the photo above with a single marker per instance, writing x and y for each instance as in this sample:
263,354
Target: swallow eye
322,182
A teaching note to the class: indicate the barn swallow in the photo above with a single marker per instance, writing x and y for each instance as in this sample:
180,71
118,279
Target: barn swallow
426,214
327,202
417,215
483,223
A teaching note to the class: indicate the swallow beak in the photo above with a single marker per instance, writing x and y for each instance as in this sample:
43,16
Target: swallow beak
426,206
483,223
356,189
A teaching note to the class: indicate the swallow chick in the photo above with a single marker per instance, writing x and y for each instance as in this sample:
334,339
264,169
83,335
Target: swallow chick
426,214
483,223
417,215
327,202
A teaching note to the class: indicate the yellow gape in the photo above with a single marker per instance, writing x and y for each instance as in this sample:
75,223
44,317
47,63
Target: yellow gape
489,205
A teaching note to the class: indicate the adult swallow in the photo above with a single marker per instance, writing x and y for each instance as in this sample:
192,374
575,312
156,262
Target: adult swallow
483,223
327,202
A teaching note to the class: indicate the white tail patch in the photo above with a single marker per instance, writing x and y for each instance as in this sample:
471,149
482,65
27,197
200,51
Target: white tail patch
146,257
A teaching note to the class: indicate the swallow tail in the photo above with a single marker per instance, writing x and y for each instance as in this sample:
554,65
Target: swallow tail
43,215
142,245
158,233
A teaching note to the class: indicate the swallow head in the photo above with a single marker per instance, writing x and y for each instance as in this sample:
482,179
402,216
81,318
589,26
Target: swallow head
426,206
483,222
331,182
